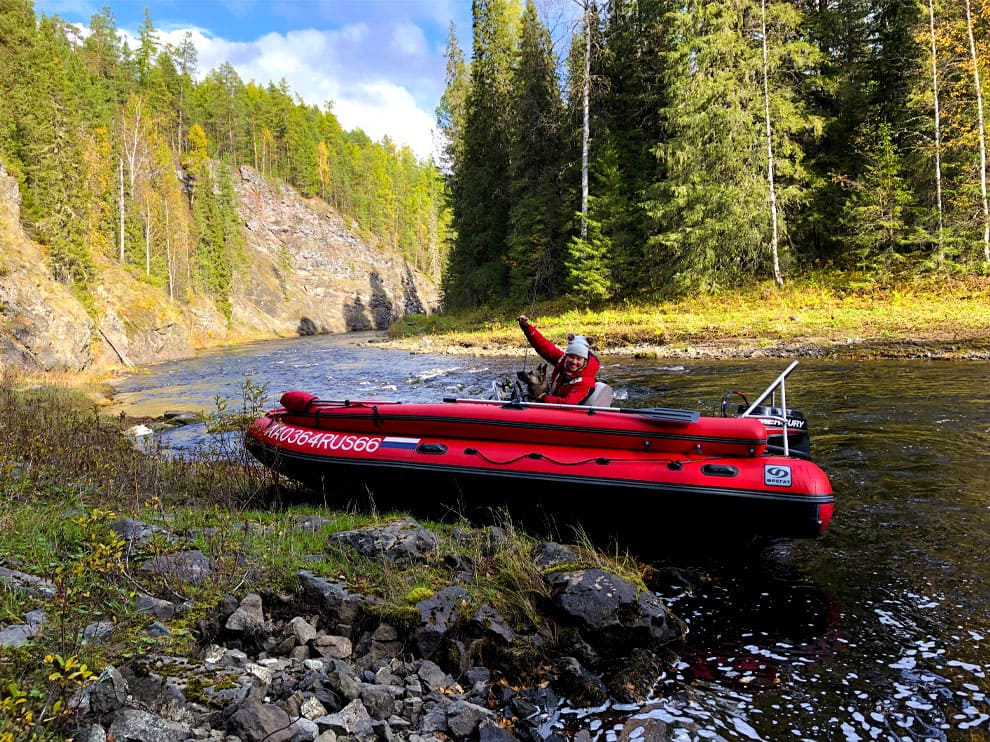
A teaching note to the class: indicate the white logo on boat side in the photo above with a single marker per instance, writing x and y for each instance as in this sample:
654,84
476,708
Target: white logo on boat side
777,475
773,423
323,441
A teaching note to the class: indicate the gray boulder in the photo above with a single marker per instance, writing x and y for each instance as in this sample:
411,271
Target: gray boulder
352,720
438,615
400,542
249,617
255,721
192,566
611,613
22,582
109,693
134,725
332,599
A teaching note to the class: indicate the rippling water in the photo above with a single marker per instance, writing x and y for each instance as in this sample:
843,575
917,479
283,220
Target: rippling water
878,631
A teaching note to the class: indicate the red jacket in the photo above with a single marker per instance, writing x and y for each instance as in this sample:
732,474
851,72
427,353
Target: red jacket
564,388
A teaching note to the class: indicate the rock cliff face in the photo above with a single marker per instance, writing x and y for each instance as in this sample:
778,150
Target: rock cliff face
42,326
306,271
312,274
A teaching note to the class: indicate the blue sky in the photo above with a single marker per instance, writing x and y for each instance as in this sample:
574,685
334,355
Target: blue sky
380,62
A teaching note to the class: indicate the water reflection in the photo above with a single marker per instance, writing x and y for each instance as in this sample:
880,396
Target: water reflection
879,630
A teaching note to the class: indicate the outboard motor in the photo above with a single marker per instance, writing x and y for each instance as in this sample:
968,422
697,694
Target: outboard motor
798,440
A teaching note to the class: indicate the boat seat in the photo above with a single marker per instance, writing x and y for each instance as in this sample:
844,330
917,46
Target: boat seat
601,396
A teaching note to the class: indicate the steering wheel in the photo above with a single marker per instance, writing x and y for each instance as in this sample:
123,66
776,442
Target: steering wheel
725,402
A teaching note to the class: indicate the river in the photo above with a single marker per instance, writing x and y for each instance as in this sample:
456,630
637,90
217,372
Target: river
880,630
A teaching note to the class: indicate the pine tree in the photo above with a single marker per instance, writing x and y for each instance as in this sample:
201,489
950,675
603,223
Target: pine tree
220,106
301,149
186,59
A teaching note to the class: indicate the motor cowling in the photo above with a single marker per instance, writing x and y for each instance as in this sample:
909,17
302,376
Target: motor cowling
773,419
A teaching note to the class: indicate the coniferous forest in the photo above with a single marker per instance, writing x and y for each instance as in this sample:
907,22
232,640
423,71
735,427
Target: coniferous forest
651,149
679,145
122,155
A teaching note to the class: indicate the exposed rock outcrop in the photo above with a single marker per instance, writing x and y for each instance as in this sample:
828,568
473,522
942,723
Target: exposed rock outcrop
42,326
306,271
312,273
320,662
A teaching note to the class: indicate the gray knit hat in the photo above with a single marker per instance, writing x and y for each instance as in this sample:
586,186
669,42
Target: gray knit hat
578,346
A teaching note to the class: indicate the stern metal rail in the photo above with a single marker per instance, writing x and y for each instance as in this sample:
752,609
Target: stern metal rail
770,391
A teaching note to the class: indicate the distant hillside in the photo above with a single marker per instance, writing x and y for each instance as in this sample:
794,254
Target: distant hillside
302,269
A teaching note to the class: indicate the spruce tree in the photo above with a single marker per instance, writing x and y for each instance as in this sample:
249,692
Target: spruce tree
627,125
451,110
17,40
877,208
713,208
477,271
589,260
50,153
537,233
839,95
219,241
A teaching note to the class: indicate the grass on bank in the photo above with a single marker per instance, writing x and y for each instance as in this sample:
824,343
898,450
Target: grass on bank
823,308
67,474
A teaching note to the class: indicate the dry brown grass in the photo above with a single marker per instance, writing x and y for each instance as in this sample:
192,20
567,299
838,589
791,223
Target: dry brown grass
949,318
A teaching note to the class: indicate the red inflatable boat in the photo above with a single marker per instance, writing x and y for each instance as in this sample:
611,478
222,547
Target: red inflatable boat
657,468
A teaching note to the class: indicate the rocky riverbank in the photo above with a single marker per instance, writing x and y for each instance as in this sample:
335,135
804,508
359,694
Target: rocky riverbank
319,661
938,346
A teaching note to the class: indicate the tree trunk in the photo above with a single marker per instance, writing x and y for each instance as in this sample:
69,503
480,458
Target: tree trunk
774,239
120,161
147,239
982,132
169,258
585,133
131,147
940,243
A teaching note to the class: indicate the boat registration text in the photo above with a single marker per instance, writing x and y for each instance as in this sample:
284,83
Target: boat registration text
326,441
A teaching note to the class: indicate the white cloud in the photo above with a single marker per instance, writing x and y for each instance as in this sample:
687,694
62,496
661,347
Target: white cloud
378,83
379,63
382,109
408,38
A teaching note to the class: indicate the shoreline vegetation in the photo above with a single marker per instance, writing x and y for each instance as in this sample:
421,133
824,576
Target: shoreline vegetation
88,527
142,588
938,318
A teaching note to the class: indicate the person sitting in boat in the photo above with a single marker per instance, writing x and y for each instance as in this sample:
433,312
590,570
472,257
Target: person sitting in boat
574,369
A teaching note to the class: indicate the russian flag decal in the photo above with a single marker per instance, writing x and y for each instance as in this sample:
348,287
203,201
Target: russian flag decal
396,442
